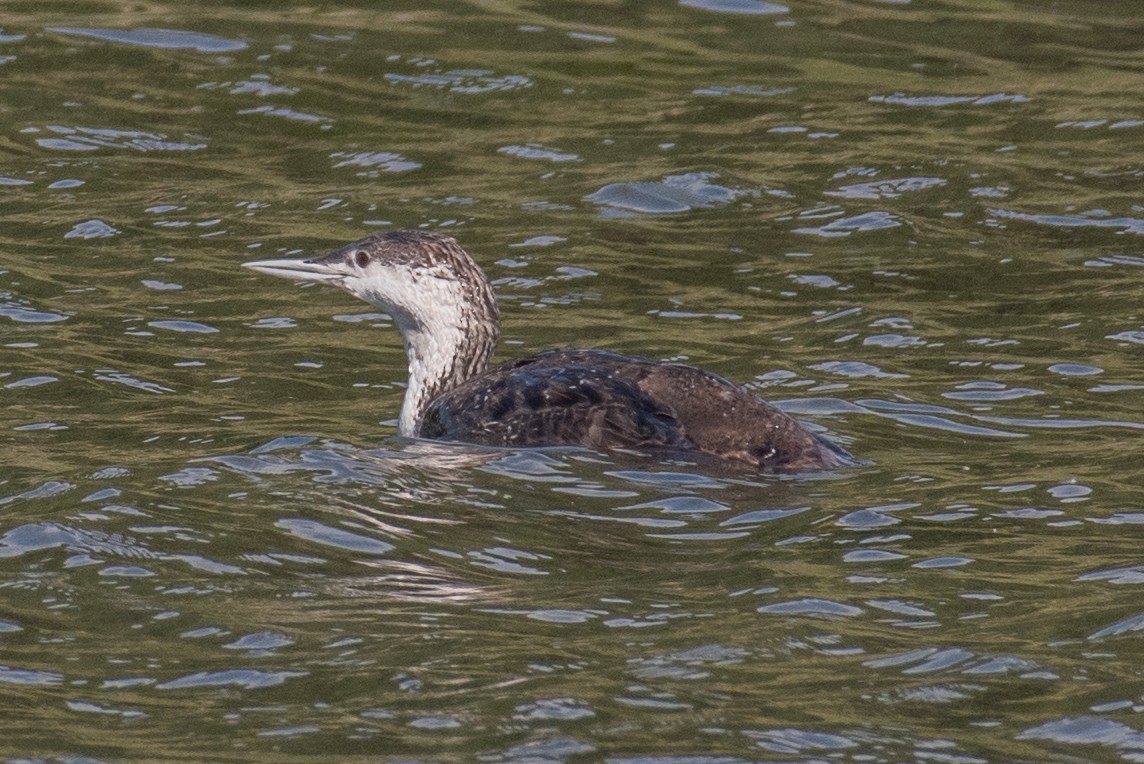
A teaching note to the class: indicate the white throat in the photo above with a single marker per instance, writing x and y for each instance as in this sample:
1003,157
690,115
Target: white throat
432,357
448,338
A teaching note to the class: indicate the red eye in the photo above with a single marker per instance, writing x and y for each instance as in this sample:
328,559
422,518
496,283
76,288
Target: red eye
361,257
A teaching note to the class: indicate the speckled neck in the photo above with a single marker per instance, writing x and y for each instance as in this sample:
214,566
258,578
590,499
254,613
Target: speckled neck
444,306
439,360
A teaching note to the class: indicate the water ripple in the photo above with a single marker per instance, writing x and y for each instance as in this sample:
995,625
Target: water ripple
812,606
91,229
319,533
171,39
890,188
795,741
93,138
292,115
902,99
258,85
9,675
875,220
247,679
1098,219
758,91
466,81
672,195
1127,741
21,313
180,325
737,7
537,151
374,161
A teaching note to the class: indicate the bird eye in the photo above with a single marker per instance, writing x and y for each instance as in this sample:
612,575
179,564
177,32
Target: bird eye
361,257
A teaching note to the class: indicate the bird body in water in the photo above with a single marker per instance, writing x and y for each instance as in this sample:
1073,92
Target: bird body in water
444,306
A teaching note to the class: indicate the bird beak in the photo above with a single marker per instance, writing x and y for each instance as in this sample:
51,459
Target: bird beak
318,269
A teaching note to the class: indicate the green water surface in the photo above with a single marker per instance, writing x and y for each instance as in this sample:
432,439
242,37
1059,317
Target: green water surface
917,226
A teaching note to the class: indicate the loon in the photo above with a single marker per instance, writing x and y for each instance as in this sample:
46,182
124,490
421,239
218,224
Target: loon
443,304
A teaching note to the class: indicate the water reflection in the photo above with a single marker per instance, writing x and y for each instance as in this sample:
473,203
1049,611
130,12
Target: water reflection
172,39
674,194
359,528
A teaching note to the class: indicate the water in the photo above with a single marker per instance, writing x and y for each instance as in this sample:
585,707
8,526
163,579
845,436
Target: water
915,226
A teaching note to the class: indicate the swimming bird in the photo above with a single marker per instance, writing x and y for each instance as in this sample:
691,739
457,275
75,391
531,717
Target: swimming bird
444,306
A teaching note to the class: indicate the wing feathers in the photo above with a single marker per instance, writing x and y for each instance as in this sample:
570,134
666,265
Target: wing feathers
603,400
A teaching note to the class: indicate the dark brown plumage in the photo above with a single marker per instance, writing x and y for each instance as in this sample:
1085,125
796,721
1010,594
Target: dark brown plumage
604,400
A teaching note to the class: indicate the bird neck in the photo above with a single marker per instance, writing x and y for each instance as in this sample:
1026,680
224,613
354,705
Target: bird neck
442,357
